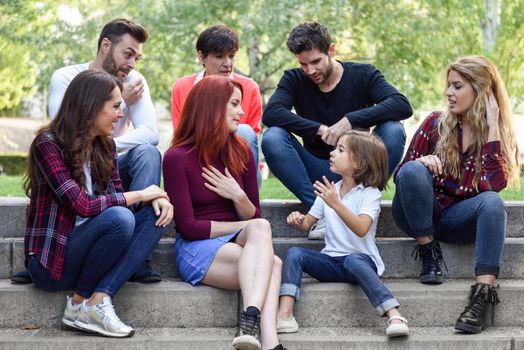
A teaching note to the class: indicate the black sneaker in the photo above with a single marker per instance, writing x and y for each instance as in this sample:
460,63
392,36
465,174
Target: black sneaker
247,335
21,277
146,274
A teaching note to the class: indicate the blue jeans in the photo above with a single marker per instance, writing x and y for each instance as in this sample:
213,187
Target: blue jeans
103,252
356,268
140,168
246,132
480,219
298,169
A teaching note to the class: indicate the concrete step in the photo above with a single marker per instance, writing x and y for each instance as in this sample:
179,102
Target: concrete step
396,253
433,338
176,304
12,218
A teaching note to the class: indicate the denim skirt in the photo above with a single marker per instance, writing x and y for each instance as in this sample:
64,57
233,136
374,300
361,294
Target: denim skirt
193,258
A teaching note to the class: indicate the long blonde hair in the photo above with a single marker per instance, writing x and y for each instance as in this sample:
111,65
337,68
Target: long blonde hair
482,74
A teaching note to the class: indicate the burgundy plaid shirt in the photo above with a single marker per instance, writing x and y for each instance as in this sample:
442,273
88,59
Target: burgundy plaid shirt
56,200
449,190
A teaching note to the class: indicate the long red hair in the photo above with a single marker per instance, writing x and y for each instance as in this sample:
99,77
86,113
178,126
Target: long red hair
203,123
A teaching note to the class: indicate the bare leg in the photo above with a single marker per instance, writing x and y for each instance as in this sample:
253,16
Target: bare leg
256,262
286,306
486,279
424,240
268,317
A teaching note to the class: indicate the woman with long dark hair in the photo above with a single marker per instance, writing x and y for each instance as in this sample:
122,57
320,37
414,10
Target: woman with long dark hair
210,176
79,233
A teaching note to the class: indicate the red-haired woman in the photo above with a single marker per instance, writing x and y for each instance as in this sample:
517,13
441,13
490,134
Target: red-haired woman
210,176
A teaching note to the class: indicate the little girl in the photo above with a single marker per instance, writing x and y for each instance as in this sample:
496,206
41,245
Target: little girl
351,208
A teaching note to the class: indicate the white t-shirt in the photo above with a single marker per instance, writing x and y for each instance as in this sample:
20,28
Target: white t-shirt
141,114
340,240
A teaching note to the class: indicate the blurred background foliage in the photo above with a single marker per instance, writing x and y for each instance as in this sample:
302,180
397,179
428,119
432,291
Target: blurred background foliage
410,41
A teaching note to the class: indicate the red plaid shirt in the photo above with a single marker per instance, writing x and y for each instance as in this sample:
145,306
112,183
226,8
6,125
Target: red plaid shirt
447,189
56,200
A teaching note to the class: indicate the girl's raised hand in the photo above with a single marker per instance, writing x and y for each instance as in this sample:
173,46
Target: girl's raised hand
224,185
433,163
295,219
327,191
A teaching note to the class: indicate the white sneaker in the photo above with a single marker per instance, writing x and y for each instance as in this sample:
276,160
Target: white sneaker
318,231
287,326
70,313
397,329
102,319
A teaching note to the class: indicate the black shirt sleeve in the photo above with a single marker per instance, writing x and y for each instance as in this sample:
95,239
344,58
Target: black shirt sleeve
385,102
278,109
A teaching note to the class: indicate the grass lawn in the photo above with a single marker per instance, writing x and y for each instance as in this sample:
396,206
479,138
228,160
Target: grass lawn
271,189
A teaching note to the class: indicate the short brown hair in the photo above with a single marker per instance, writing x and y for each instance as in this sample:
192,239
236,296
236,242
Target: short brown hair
117,28
370,157
308,36
217,39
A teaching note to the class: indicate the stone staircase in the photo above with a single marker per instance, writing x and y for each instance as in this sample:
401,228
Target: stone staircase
175,315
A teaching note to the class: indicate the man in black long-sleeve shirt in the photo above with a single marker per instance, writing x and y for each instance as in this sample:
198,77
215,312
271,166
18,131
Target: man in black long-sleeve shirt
329,97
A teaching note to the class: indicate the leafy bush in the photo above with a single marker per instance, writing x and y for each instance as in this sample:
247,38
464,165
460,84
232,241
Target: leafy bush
13,164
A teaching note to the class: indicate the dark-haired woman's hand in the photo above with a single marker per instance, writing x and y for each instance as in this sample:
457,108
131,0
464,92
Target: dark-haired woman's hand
224,185
164,210
153,192
433,163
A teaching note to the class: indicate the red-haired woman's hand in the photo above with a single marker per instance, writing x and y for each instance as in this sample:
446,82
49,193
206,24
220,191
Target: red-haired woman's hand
224,185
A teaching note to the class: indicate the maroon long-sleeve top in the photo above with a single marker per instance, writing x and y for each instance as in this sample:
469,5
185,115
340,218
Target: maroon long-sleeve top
195,205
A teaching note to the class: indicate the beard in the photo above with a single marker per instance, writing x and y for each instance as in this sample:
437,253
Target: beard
328,72
109,65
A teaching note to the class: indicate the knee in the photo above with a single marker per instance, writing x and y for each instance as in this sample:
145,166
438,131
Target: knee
491,204
294,255
412,172
272,138
246,131
392,133
259,230
146,153
123,220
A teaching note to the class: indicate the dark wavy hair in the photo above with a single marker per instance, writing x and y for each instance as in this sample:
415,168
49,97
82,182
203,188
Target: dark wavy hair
217,39
71,129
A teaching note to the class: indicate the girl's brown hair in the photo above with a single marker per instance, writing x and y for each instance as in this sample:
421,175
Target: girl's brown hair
370,157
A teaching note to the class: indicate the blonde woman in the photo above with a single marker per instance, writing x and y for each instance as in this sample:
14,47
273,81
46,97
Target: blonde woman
448,181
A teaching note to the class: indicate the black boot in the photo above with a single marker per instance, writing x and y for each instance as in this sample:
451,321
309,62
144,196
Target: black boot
431,255
471,320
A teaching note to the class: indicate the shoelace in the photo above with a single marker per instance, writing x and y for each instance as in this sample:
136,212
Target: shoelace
492,297
436,254
109,313
249,325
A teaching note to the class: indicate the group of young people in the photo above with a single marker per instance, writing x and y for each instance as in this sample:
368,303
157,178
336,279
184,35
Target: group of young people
96,211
